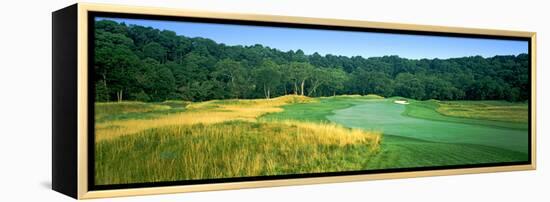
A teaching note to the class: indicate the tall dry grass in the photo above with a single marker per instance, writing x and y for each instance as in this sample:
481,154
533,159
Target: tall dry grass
204,112
105,108
232,149
486,110
223,139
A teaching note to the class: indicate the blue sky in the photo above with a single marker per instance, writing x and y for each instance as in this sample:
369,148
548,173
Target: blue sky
345,43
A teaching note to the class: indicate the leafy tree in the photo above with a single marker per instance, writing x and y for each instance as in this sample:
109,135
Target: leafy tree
319,77
134,62
156,51
115,64
371,82
101,92
299,73
234,75
335,82
438,88
409,85
268,77
155,80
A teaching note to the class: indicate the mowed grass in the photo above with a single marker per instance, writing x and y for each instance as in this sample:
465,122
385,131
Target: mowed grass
285,135
403,152
399,151
318,111
220,139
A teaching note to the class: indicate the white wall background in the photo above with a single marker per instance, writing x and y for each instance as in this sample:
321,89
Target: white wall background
25,99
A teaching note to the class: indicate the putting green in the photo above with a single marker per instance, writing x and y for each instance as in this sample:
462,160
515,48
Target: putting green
411,142
386,116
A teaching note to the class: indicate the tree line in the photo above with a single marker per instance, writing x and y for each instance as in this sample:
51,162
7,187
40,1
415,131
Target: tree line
146,64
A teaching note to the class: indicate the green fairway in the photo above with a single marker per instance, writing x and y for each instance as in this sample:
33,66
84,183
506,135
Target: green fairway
401,152
385,116
416,135
318,111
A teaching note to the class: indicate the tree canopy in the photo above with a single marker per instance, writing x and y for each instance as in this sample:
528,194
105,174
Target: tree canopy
146,64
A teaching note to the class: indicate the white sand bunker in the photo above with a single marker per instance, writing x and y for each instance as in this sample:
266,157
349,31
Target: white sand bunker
400,101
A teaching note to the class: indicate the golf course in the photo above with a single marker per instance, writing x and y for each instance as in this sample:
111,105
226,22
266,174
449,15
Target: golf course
297,134
180,101
411,140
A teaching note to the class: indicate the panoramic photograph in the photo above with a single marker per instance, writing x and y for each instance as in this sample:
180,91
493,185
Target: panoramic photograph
182,101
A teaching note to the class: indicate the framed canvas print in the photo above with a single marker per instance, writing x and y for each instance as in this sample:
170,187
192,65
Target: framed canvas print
155,100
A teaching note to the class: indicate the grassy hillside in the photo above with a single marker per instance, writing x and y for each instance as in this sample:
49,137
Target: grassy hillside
215,111
220,139
488,113
486,110
232,149
318,111
417,134
110,111
150,142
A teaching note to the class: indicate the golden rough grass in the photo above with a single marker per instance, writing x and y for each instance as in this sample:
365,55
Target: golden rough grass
204,112
233,149
368,96
224,138
331,133
104,108
509,112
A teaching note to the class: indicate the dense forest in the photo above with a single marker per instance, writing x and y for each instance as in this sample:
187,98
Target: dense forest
146,64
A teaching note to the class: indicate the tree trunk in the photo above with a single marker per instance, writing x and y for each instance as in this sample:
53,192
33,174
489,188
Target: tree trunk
105,84
268,94
233,87
119,96
265,93
295,88
311,92
302,87
313,89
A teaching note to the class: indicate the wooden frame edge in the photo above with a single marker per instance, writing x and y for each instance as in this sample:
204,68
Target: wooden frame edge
85,193
533,99
294,182
82,46
296,19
